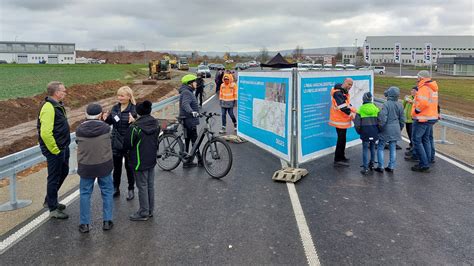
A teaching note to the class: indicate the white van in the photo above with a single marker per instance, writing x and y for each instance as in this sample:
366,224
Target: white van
378,69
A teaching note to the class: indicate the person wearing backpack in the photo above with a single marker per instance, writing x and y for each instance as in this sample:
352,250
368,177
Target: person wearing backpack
391,120
141,141
366,125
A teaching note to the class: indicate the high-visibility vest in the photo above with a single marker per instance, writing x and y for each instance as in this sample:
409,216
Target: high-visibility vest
338,118
228,92
426,101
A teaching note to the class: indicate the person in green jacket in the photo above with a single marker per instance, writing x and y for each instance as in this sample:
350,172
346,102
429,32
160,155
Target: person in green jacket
54,139
407,105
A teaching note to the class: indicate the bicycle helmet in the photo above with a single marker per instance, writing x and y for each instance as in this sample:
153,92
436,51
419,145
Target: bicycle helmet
188,79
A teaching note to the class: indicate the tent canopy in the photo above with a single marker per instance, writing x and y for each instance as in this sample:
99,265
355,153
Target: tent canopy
278,62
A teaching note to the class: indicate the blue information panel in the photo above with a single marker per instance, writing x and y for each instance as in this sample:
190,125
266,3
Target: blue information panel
316,137
264,110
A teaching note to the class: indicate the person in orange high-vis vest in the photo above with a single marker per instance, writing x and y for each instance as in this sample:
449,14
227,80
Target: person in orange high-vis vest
228,100
425,114
340,117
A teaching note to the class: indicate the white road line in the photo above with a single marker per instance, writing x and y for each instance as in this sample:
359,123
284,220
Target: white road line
210,98
308,245
303,228
463,167
31,226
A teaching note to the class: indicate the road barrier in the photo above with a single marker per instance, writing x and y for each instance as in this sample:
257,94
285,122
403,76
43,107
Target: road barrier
448,121
12,164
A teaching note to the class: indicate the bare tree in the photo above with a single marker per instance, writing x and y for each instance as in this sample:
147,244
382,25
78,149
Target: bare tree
298,53
263,57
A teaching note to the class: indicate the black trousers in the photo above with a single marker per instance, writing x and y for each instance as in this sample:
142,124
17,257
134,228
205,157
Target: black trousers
199,93
118,171
409,128
340,145
191,137
58,169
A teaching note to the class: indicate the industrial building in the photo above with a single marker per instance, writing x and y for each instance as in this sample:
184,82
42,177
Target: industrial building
38,52
456,66
382,48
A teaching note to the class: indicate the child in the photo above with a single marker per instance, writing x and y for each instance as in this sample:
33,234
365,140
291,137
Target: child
366,125
391,121
142,141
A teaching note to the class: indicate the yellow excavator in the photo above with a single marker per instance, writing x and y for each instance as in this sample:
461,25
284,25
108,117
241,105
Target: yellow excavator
173,61
158,70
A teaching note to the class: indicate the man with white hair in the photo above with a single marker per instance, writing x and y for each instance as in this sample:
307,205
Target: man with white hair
425,115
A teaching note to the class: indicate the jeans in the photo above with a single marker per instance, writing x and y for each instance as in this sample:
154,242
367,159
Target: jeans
118,171
366,146
58,169
421,140
392,151
224,115
433,151
86,187
146,191
339,155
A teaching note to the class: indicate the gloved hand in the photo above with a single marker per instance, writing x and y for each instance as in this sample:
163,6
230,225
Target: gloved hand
195,114
417,111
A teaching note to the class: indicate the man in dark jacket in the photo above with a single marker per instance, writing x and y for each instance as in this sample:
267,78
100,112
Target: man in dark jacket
200,88
142,141
218,79
94,159
188,111
54,139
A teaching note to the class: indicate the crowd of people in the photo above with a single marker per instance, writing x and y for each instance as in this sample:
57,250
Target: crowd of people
418,112
133,138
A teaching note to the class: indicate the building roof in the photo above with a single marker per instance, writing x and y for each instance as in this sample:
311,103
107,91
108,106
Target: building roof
455,41
278,62
54,43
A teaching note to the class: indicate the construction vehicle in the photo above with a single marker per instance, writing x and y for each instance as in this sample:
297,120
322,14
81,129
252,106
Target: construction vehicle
158,70
183,63
173,61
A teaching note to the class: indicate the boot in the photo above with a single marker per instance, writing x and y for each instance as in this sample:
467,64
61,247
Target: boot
116,192
200,161
131,194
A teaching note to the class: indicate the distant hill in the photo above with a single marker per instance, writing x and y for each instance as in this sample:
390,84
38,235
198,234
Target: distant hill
326,50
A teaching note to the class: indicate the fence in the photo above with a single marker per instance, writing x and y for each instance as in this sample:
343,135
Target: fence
12,164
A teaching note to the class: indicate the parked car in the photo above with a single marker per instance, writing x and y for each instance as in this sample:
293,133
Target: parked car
219,66
378,69
339,67
212,66
327,67
350,67
253,64
240,66
3,62
203,69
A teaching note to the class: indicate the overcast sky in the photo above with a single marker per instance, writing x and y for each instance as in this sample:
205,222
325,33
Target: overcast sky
243,25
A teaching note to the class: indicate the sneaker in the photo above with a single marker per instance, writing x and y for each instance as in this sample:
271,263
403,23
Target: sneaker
222,131
408,153
200,164
411,159
107,225
365,171
189,165
150,215
84,228
138,217
378,169
346,160
387,169
58,214
371,166
417,168
131,194
341,163
61,207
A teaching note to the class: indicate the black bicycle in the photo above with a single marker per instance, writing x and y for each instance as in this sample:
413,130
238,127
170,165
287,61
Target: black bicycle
216,153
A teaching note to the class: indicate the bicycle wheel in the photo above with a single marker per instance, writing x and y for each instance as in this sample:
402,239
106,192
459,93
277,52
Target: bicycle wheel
169,149
217,157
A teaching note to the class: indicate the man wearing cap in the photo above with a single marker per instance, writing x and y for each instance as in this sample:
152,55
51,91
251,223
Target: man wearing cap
54,139
425,115
94,158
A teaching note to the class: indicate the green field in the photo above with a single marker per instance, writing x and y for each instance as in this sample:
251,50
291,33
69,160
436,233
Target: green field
28,80
455,87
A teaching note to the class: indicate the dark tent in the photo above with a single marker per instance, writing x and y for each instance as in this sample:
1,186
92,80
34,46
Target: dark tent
278,62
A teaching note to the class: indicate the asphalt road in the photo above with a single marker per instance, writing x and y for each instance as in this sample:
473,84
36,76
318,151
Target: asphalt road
246,218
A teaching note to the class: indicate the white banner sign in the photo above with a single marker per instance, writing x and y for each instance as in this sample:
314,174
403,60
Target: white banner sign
367,53
438,54
397,53
428,52
413,55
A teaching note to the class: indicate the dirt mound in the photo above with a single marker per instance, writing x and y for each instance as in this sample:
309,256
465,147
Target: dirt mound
26,109
121,57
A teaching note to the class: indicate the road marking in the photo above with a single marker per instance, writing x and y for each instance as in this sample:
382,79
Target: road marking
308,245
210,98
451,161
31,226
303,228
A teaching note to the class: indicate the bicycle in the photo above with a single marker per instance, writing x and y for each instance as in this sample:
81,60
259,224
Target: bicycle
216,153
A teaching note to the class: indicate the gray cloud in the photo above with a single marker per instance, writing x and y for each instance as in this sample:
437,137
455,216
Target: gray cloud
245,25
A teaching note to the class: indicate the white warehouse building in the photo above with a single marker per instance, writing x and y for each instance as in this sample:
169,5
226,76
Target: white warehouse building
382,48
38,52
